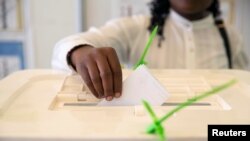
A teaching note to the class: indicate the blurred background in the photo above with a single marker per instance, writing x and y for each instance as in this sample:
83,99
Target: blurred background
29,29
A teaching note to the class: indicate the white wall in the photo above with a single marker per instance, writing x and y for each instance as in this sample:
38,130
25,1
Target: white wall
49,21
98,12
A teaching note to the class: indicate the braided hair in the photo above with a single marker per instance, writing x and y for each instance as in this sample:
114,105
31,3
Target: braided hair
160,10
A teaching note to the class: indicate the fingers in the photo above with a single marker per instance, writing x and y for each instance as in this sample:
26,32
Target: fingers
86,78
101,71
106,76
116,71
95,78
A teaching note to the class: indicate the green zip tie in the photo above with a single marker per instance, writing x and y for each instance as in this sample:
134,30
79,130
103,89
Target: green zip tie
151,38
156,126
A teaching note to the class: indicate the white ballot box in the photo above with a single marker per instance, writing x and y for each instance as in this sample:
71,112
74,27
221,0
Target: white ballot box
49,105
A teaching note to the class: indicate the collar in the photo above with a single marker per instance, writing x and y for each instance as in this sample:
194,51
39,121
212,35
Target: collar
185,23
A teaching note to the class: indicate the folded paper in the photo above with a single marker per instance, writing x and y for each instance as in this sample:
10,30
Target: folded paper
138,86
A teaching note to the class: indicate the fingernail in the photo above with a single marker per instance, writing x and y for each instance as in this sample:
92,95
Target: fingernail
109,98
117,95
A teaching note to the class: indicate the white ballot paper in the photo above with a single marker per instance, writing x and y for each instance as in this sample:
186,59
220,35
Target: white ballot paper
139,85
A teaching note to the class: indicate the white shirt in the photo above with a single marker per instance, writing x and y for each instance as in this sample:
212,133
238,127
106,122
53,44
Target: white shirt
190,45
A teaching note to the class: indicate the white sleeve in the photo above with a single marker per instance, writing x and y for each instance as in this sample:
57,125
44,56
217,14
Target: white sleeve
119,34
239,58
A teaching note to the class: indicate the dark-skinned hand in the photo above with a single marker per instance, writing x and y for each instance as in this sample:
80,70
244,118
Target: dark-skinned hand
100,69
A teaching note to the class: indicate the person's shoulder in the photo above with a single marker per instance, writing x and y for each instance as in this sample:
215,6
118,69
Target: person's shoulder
133,18
132,21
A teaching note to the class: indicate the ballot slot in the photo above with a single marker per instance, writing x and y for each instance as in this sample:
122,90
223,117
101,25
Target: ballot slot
74,93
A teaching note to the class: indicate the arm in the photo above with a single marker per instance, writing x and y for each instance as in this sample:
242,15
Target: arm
94,55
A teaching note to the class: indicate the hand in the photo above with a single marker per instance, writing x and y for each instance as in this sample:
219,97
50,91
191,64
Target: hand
100,69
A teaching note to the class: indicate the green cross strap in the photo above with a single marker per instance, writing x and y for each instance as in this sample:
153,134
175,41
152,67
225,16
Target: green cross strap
157,128
151,38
